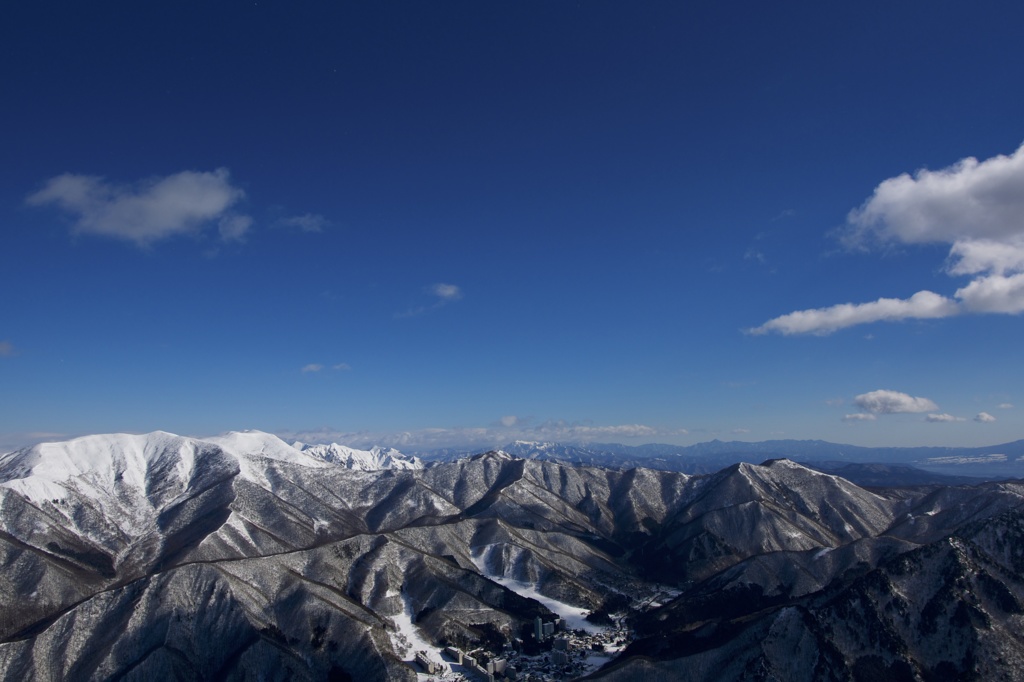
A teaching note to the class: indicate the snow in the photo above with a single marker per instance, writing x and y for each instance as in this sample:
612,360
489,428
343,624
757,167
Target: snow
98,464
36,488
137,473
374,459
407,640
573,616
258,444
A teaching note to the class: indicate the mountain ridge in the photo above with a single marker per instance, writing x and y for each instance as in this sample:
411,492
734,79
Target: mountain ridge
943,464
175,557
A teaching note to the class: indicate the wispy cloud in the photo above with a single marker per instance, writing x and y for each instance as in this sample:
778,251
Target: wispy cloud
893,402
233,228
977,207
859,417
984,418
150,210
442,295
1005,406
6,349
308,222
943,418
446,292
314,367
9,442
754,255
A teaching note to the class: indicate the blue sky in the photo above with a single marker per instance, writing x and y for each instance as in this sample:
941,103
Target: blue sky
460,223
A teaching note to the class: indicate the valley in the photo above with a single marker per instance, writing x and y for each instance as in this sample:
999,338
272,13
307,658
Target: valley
160,556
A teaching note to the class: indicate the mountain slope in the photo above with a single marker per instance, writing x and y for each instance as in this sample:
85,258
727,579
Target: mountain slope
947,610
240,555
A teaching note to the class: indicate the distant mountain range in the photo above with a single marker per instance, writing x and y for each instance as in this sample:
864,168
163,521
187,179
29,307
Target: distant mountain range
163,557
989,462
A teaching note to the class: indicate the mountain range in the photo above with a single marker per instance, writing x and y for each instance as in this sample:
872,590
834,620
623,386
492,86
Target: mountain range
158,556
994,462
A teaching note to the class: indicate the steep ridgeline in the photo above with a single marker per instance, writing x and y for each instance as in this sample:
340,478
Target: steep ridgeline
157,556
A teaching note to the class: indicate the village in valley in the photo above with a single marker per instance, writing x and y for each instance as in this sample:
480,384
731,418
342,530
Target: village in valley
552,651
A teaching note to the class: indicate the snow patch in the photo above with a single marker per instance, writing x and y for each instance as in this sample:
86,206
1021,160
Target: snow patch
821,552
406,639
573,616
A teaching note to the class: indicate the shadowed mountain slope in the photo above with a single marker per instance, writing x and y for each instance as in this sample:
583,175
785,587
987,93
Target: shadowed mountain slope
162,556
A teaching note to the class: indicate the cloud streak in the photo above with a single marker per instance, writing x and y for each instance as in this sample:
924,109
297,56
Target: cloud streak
148,211
314,367
309,222
6,349
822,321
977,207
943,418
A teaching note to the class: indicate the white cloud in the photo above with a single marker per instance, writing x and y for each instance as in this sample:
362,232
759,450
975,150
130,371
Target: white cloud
820,321
994,294
740,431
984,418
146,211
943,418
893,402
970,199
859,417
6,349
444,293
342,366
1005,406
312,367
971,256
509,420
309,222
562,431
977,207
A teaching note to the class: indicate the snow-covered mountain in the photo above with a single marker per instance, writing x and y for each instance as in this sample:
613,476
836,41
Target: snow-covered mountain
374,459
909,465
164,557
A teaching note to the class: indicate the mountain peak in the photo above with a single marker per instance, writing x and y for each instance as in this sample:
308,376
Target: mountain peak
364,460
